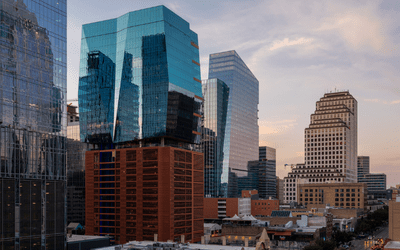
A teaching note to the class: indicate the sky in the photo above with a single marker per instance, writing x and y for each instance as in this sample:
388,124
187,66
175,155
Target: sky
298,50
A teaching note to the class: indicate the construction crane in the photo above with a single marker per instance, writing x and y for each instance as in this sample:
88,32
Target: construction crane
291,166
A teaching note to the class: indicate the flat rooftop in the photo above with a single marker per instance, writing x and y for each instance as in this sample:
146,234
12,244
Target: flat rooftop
78,238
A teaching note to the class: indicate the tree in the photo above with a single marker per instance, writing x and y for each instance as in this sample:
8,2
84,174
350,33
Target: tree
313,247
342,237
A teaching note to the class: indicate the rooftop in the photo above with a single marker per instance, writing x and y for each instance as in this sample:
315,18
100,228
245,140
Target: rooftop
393,245
77,238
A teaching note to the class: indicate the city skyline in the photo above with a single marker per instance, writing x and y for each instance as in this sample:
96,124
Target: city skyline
297,52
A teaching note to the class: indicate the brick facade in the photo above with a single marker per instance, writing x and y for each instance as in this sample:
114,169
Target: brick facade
263,207
344,195
134,193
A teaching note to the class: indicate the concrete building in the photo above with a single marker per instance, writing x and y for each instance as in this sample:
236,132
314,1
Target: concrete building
344,195
330,144
280,189
290,184
394,217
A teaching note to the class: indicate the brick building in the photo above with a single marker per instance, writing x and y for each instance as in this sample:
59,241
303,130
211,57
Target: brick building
226,207
345,195
263,208
134,193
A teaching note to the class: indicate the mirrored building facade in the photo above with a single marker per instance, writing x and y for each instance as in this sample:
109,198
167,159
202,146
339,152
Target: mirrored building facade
216,96
140,109
241,134
140,79
32,124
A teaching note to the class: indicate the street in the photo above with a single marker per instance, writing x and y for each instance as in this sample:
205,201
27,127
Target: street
360,244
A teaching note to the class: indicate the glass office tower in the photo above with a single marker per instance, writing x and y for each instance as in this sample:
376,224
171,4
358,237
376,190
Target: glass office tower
32,124
140,79
216,96
267,176
140,106
241,135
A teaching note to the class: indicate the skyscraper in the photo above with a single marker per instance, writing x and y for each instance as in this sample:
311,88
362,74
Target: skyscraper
330,144
241,134
140,105
144,86
267,172
362,166
376,182
75,169
32,124
216,95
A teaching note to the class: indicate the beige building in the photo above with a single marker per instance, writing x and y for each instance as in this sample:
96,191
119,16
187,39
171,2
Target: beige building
330,144
344,195
394,217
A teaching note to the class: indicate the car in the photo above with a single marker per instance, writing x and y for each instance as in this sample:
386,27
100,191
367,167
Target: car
370,237
346,246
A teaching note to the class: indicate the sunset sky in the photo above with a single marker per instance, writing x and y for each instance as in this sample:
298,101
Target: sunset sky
298,50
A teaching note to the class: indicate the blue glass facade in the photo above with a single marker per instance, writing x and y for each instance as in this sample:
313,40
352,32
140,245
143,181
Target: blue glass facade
139,79
216,96
241,136
33,76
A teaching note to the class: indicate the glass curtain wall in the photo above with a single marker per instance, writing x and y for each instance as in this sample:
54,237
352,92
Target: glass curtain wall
216,95
33,76
241,135
139,79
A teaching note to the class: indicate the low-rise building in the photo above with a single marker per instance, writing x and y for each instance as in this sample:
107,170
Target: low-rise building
215,208
344,195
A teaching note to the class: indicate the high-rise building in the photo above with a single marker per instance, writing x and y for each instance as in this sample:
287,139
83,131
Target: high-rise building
75,169
376,182
267,172
241,134
331,139
33,74
135,193
139,79
216,94
330,145
279,189
140,107
362,166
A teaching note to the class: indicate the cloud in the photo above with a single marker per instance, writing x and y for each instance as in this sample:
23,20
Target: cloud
285,43
382,101
276,127
395,102
360,27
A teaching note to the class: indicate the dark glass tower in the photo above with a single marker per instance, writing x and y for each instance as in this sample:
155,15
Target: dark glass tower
241,135
32,124
216,96
139,80
267,174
